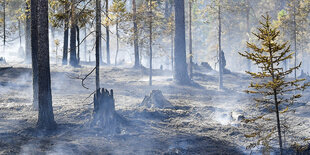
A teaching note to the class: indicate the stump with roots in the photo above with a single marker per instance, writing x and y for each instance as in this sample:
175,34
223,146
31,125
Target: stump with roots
104,115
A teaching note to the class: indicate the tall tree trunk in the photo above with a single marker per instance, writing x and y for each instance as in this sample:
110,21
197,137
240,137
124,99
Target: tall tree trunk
98,38
295,40
248,30
19,34
28,35
85,43
220,50
151,50
107,31
73,59
78,41
172,51
190,42
135,29
180,72
117,41
34,53
66,37
4,25
46,115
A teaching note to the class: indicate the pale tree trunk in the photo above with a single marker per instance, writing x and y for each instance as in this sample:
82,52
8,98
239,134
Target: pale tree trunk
28,35
248,30
34,53
108,32
295,40
135,40
19,34
220,50
4,25
180,72
151,50
172,51
117,42
46,115
98,38
190,41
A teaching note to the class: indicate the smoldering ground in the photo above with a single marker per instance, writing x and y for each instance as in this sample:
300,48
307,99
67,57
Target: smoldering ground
149,130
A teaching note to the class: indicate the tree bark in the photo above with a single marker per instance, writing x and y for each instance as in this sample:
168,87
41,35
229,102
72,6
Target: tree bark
151,50
28,35
66,37
248,30
135,40
98,38
180,72
73,58
34,53
108,32
85,43
78,42
117,41
46,115
295,40
220,50
190,42
4,25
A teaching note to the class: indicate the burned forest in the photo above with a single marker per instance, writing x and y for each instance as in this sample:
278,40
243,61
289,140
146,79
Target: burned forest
144,77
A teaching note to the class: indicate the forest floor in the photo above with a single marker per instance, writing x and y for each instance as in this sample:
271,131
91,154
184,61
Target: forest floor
199,123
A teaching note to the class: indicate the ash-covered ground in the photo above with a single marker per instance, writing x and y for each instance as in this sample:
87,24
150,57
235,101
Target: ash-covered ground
201,120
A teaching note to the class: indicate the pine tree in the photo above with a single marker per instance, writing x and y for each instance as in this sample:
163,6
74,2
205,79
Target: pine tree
277,93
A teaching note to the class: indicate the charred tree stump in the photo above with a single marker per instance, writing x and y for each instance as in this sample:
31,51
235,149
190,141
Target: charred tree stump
104,115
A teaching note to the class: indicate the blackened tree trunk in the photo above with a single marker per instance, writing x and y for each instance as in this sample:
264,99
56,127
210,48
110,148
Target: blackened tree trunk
190,41
28,35
73,58
34,52
108,32
85,43
98,38
46,115
151,50
66,37
135,39
220,50
78,42
180,68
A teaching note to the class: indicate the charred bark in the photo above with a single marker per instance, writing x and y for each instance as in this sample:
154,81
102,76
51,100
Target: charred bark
73,57
104,115
107,32
180,71
34,52
46,115
66,37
